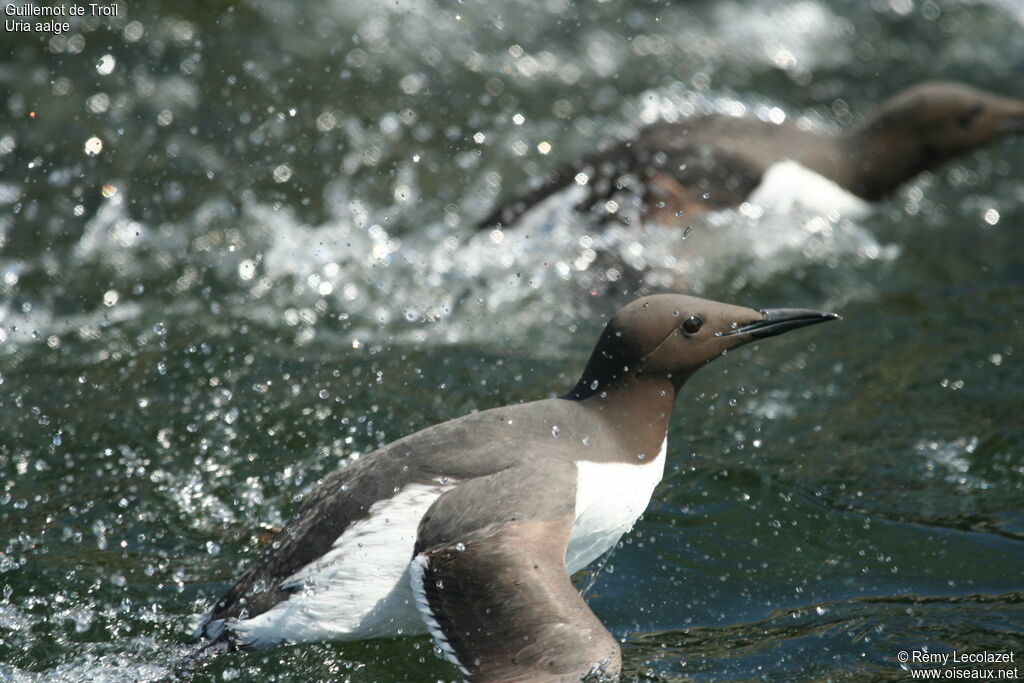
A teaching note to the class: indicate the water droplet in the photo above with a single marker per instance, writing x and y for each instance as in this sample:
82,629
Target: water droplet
93,146
555,431
594,385
641,456
461,547
586,441
106,65
282,173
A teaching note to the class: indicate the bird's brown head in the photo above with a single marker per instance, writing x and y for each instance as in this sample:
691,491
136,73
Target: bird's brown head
926,125
671,336
952,117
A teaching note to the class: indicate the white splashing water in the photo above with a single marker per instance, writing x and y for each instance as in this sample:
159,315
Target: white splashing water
438,286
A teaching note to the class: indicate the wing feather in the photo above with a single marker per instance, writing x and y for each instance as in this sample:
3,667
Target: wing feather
494,589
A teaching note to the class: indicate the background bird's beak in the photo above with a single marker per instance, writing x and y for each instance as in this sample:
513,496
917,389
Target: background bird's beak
779,320
1012,124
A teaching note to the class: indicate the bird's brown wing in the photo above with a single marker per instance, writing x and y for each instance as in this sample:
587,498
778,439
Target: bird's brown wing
674,183
493,587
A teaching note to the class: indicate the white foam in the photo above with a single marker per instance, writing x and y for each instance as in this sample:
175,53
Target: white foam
474,287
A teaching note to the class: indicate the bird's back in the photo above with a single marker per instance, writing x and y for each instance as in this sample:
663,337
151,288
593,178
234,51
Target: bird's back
699,164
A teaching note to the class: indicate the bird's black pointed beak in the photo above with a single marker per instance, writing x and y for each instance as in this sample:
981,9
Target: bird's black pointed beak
779,320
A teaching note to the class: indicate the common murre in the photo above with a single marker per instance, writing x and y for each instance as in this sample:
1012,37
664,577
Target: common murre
471,529
706,163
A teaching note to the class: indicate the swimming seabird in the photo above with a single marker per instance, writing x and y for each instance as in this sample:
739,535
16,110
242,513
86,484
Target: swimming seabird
471,529
707,163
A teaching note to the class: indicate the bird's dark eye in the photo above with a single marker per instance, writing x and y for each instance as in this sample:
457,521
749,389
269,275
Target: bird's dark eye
966,119
692,324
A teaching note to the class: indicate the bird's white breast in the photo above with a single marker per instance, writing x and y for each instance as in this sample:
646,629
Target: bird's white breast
787,186
609,499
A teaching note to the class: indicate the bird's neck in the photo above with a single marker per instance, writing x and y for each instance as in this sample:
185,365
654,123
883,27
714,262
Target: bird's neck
880,159
637,410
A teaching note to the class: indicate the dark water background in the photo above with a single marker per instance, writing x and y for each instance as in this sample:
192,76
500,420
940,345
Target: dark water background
270,266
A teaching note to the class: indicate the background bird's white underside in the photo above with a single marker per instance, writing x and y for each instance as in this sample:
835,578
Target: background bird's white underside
787,186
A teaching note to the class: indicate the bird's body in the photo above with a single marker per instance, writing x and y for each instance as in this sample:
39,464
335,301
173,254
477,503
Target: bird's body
682,169
471,529
342,569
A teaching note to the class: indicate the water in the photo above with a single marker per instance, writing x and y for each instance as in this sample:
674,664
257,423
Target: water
269,268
